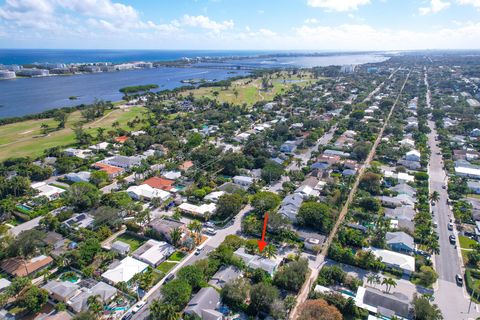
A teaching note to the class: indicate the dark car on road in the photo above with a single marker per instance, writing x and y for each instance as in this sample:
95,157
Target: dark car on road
452,239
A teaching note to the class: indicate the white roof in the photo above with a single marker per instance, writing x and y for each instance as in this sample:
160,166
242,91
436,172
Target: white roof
468,171
172,175
46,189
413,153
125,270
157,251
214,196
405,177
199,210
144,190
403,261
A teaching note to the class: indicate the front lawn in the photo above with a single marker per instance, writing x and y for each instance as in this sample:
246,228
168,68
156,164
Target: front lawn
177,256
466,242
133,241
166,266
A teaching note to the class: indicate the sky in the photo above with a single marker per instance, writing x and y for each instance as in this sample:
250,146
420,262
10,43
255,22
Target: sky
343,25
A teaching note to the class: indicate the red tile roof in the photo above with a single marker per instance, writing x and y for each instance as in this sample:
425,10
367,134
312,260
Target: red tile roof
186,165
160,183
121,139
20,267
110,170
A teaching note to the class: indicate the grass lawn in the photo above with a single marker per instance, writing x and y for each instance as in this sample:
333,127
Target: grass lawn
177,256
166,266
134,242
465,257
25,139
248,90
466,242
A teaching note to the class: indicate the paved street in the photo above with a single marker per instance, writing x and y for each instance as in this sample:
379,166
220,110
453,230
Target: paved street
451,298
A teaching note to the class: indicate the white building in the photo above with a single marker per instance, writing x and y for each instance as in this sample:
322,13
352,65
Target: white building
395,260
243,181
154,252
82,176
145,192
203,210
124,271
413,155
44,189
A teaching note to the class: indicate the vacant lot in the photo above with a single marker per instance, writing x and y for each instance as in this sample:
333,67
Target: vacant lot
26,139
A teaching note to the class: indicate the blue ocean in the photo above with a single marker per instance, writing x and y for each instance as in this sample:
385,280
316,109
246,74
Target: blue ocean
23,96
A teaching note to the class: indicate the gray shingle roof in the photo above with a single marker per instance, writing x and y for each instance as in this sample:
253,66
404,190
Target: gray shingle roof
399,237
384,301
205,300
224,276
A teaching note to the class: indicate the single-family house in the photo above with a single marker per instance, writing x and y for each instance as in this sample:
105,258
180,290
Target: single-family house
186,165
124,270
204,210
124,162
145,192
111,171
4,284
120,247
61,291
395,260
403,188
214,196
467,171
400,242
401,213
154,252
225,275
160,183
290,206
78,221
172,175
257,262
82,176
383,304
79,303
46,190
391,202
58,315
164,227
19,267
413,155
204,304
243,181
288,147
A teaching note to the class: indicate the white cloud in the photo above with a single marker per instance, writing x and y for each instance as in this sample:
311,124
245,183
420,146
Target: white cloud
338,5
101,9
312,21
435,6
206,23
475,3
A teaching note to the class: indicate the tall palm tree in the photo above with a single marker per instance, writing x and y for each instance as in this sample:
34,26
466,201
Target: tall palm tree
270,251
371,279
160,311
175,236
95,304
196,227
389,283
434,196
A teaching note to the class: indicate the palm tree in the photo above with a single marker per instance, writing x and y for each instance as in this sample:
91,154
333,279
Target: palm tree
372,279
434,196
196,227
270,251
95,304
100,133
389,283
175,236
160,311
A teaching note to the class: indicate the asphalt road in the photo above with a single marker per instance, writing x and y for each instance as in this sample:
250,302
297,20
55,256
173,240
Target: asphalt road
452,299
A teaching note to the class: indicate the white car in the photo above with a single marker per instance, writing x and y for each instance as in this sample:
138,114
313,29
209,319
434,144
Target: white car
210,231
138,306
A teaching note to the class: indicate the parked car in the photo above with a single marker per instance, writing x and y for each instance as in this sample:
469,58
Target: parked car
452,239
209,224
169,277
198,251
138,306
127,316
210,231
459,279
450,226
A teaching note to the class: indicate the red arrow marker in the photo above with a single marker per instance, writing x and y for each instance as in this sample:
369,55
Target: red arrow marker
262,243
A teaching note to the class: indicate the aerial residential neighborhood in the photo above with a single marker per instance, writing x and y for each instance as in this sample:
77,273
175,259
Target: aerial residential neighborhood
239,160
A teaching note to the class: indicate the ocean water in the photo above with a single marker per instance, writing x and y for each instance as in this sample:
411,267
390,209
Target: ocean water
19,97
25,56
